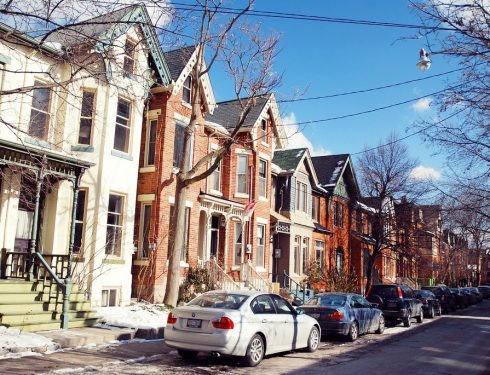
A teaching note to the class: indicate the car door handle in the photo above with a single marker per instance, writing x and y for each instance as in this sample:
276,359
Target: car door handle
264,320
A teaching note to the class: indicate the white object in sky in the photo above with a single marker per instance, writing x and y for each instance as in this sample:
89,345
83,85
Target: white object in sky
424,63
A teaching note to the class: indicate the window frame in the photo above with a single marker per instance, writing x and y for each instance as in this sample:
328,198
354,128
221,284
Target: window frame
238,246
297,255
187,90
305,253
80,222
129,61
321,250
315,208
38,86
119,226
109,291
215,177
125,127
301,196
142,252
87,118
242,173
151,124
260,256
339,260
262,174
338,214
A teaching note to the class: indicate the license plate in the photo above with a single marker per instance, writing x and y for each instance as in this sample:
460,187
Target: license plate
316,316
194,323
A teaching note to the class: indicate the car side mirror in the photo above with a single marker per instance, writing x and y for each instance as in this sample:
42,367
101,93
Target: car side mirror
375,305
300,312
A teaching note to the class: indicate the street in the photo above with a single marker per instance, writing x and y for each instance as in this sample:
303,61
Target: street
453,344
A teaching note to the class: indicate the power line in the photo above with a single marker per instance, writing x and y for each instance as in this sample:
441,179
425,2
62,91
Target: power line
306,17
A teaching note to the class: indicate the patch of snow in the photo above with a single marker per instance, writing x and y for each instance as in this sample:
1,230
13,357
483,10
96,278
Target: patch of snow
138,315
366,208
16,343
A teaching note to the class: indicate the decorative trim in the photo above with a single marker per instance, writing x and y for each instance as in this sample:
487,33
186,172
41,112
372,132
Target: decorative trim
184,264
82,148
181,118
153,114
149,169
141,262
146,197
263,199
38,142
121,155
113,261
264,156
241,195
171,200
243,151
261,220
5,59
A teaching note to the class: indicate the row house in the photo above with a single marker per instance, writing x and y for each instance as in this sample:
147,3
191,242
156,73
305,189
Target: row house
219,235
69,150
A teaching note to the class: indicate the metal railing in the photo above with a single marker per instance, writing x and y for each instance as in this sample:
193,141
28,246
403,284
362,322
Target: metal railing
301,292
253,279
219,277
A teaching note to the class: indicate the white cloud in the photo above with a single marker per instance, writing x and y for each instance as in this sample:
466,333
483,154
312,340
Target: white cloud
296,138
425,173
422,105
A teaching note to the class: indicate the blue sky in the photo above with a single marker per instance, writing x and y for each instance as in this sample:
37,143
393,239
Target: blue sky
326,58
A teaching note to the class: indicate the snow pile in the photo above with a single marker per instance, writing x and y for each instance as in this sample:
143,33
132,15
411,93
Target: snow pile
17,343
137,315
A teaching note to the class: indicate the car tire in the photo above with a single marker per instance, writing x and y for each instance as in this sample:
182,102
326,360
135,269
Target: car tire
188,355
255,351
313,340
432,313
353,332
407,321
420,317
440,311
381,325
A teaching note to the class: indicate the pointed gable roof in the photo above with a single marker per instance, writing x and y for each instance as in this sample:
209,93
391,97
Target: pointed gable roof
177,60
102,30
288,160
331,168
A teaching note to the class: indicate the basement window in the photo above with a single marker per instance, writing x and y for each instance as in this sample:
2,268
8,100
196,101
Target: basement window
109,297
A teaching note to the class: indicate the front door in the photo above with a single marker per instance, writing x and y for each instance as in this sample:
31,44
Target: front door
214,237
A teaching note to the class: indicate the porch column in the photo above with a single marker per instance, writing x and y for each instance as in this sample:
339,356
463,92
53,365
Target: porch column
35,220
225,260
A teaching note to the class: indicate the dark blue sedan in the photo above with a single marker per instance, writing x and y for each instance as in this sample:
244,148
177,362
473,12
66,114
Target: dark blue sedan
346,314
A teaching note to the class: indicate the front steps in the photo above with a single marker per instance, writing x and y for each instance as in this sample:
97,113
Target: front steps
25,305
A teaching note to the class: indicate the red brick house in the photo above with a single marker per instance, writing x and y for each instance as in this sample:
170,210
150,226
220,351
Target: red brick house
217,231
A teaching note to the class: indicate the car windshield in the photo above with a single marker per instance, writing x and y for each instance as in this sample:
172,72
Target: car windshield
328,300
219,301
424,294
387,291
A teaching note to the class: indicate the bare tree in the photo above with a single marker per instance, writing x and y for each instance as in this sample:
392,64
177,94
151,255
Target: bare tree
385,174
458,30
248,58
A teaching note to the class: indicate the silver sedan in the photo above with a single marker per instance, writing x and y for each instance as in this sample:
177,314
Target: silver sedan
242,323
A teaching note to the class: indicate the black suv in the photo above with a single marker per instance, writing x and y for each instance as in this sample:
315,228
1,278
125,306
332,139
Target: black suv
398,302
443,294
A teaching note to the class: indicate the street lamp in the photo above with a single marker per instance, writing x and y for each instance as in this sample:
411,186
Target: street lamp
424,62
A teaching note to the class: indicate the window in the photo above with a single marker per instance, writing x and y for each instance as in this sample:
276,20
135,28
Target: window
282,306
79,222
238,244
144,233
306,254
179,143
297,255
114,225
151,138
338,215
262,178
320,253
301,196
215,180
339,260
40,116
86,118
187,90
109,297
315,208
366,259
262,305
242,174
123,125
129,49
262,133
260,245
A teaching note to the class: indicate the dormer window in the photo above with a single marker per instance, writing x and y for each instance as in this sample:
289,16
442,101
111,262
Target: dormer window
262,134
129,49
187,90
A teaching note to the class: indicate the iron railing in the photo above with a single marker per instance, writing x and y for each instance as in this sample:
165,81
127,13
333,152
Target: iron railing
219,277
253,279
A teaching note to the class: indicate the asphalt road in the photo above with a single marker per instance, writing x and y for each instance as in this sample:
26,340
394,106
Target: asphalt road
458,343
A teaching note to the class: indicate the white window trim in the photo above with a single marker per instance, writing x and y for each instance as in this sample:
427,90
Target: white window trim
147,142
146,197
130,127
247,180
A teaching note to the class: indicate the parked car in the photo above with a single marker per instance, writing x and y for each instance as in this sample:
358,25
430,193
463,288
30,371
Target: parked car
398,303
476,292
461,299
430,303
444,296
472,299
246,324
485,291
346,314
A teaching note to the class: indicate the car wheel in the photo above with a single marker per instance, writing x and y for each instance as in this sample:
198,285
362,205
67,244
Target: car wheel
255,351
407,322
188,355
440,311
420,318
353,332
381,326
313,340
431,312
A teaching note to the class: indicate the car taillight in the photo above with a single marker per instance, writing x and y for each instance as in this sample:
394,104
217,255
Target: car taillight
424,301
223,323
171,319
336,315
399,291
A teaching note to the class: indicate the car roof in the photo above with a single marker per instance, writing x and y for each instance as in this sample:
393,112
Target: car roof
242,292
